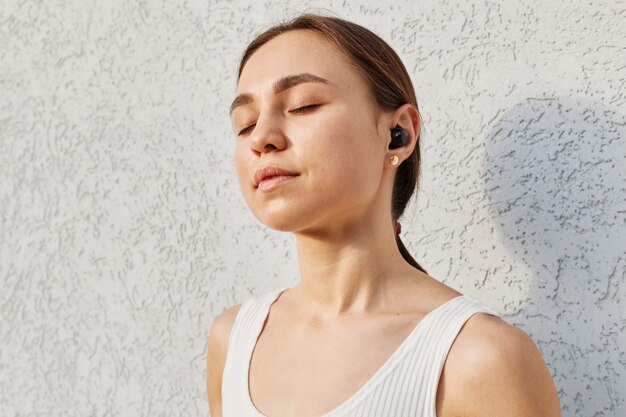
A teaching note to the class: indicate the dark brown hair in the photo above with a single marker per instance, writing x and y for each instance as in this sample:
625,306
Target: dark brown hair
388,78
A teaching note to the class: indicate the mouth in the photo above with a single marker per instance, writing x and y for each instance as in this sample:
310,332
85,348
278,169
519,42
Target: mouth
272,182
271,171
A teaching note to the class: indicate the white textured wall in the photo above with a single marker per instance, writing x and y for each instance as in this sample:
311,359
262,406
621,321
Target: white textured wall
123,232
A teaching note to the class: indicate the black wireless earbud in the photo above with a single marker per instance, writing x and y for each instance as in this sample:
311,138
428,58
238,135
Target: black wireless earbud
399,137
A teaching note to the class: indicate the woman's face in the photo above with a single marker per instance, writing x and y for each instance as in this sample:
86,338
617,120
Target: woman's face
303,106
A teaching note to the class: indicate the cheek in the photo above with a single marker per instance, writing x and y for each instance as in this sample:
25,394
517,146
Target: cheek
237,159
346,162
244,169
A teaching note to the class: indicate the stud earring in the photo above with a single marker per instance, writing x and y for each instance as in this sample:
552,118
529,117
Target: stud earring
394,160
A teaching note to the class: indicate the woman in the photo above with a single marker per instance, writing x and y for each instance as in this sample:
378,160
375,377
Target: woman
327,148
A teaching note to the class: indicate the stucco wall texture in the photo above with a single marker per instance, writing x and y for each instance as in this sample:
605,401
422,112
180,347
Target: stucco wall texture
123,232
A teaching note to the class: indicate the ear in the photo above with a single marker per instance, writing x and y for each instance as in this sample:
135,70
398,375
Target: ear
407,117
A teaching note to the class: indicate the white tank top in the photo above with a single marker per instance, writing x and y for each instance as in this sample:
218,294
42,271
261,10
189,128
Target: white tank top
405,385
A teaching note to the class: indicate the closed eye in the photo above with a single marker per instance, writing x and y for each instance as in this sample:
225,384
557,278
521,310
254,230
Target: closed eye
299,110
304,109
245,130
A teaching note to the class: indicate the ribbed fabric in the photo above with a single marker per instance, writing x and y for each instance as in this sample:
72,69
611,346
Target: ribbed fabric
405,385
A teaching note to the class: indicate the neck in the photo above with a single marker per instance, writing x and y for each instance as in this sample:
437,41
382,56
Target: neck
351,270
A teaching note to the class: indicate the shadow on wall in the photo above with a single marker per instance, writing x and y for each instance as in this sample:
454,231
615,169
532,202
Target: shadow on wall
555,175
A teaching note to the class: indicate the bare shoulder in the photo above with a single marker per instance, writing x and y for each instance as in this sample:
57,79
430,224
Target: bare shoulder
222,325
217,348
495,369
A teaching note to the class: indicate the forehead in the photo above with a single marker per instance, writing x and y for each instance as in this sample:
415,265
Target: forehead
295,52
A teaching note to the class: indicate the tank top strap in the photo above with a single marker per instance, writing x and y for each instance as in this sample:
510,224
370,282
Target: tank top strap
251,317
246,328
440,333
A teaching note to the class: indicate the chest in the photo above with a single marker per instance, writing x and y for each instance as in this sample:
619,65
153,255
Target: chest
309,372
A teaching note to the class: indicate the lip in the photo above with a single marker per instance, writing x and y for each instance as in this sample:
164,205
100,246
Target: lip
269,171
270,183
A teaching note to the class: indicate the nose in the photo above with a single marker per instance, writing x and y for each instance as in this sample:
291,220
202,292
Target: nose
268,134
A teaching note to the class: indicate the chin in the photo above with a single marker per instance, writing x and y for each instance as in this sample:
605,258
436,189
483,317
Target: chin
279,227
281,221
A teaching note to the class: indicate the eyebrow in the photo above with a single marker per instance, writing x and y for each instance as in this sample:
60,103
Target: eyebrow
280,85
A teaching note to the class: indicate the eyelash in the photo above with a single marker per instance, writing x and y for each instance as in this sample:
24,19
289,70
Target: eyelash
244,130
298,110
304,109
